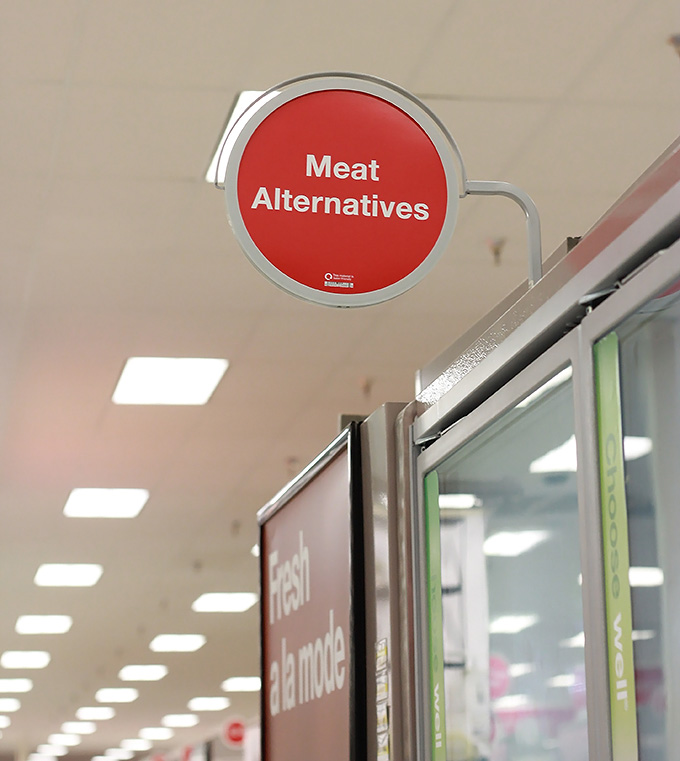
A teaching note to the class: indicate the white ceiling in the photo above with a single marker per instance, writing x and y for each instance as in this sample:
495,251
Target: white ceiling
112,245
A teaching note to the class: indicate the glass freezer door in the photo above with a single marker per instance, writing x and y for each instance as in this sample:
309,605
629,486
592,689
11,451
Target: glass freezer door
507,675
646,348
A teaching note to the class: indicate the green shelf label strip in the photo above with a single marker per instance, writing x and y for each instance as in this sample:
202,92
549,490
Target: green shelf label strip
615,535
436,627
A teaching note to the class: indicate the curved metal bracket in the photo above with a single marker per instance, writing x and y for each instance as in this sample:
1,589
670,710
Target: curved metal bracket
482,187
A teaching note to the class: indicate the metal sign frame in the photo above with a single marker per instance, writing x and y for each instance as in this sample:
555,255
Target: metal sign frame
347,441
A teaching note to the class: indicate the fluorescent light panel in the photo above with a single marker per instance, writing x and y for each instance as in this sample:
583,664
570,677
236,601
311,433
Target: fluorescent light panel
511,702
218,163
52,750
179,720
105,503
120,753
116,695
169,380
95,713
24,659
9,705
208,704
68,575
143,673
459,501
562,459
156,733
562,680
5,721
43,624
16,685
639,576
136,744
520,669
224,602
242,684
79,727
639,635
512,624
177,643
510,544
68,739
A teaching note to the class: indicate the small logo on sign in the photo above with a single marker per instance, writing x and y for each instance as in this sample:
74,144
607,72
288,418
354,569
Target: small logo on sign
332,280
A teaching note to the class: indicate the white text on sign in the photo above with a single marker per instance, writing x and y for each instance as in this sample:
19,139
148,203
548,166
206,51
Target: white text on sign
341,170
288,582
283,199
306,672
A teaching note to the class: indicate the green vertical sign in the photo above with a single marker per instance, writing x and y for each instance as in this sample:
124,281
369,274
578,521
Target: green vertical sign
436,624
616,558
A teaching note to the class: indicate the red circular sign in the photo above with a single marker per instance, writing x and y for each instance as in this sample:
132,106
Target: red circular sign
342,191
234,733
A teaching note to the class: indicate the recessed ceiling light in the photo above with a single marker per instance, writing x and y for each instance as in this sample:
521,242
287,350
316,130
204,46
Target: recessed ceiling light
640,576
563,458
255,550
520,669
69,740
511,702
208,704
562,680
179,720
120,753
79,727
24,659
216,170
68,575
39,757
16,685
52,750
105,503
639,635
9,705
5,721
169,380
95,713
43,624
512,624
156,733
635,447
459,501
510,544
136,744
143,673
177,643
241,684
224,602
116,695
